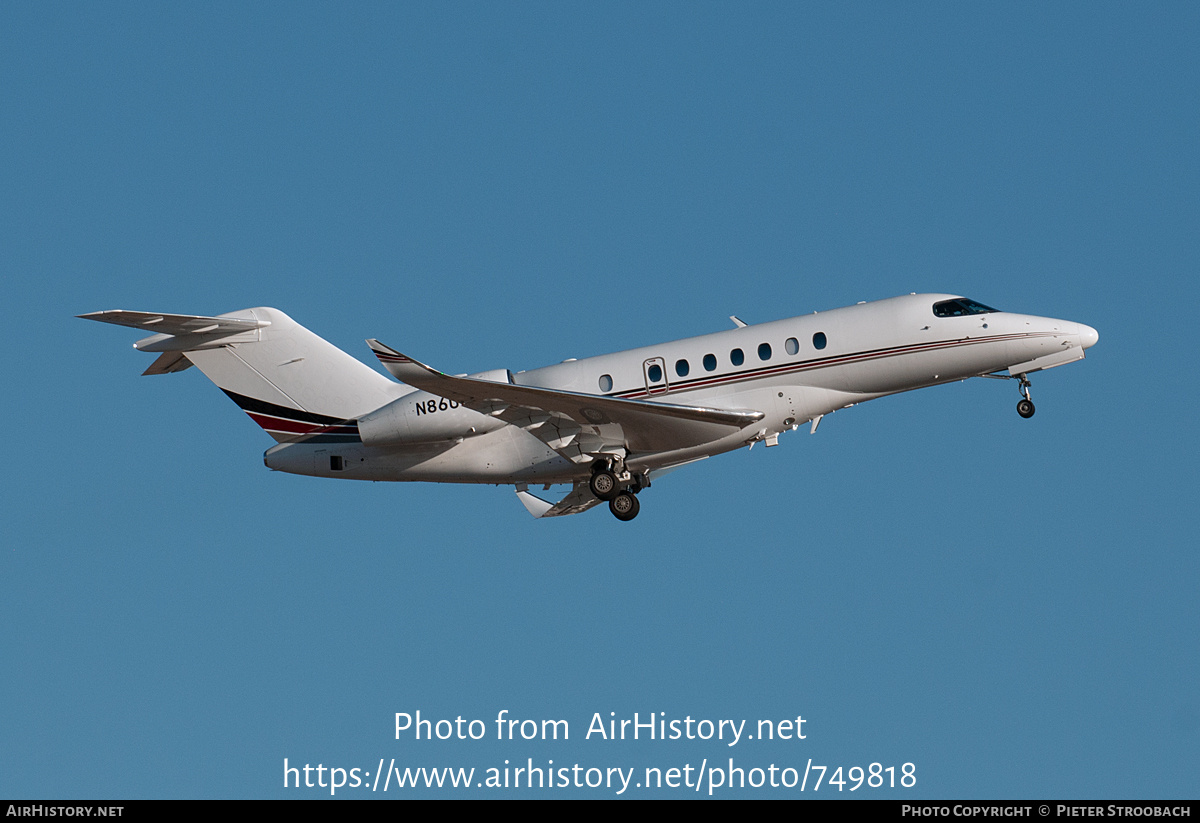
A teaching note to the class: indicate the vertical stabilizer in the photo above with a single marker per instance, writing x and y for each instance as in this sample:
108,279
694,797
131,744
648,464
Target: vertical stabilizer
289,380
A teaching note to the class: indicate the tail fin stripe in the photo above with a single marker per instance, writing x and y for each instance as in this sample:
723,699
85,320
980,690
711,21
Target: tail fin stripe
279,424
252,404
283,423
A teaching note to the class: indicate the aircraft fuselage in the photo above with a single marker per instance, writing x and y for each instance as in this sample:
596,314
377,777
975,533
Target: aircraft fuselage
792,371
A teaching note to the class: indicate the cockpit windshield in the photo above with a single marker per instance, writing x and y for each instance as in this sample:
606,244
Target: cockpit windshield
960,307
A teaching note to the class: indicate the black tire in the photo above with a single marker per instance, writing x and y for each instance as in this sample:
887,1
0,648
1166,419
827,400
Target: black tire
604,485
624,506
1025,409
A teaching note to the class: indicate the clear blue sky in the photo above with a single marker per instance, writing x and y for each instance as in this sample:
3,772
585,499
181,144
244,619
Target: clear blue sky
1010,605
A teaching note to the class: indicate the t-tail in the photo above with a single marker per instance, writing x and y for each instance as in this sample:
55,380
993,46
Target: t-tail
290,381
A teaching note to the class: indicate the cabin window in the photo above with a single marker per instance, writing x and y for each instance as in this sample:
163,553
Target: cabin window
792,346
819,340
606,382
336,463
681,368
736,357
764,351
710,362
654,373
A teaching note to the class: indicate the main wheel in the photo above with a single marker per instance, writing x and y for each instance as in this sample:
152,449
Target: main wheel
624,506
1025,408
604,485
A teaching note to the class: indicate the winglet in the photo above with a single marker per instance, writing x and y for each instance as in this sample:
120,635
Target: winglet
399,365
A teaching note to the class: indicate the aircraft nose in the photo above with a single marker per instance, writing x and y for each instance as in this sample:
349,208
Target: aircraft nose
1089,336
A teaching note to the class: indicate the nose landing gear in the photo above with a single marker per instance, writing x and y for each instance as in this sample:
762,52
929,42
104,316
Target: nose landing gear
1025,406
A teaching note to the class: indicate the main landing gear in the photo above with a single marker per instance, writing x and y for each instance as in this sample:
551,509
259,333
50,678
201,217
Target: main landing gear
604,484
618,487
624,506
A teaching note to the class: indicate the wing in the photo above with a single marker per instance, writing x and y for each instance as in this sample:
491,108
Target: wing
579,499
577,426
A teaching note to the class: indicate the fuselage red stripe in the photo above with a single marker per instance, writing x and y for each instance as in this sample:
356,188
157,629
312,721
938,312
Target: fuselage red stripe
809,365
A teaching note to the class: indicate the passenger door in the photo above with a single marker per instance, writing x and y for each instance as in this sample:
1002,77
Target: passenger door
655,372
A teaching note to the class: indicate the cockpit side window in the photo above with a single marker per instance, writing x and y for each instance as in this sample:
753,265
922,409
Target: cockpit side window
960,308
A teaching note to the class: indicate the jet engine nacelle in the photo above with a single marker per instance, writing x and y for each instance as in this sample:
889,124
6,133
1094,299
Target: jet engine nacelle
421,417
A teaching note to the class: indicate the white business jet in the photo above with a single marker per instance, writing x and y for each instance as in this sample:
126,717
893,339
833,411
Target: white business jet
607,424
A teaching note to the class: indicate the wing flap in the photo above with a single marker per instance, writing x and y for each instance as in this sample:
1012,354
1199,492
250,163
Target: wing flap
579,499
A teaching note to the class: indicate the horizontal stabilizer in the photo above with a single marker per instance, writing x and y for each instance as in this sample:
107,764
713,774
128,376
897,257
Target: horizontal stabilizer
176,323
